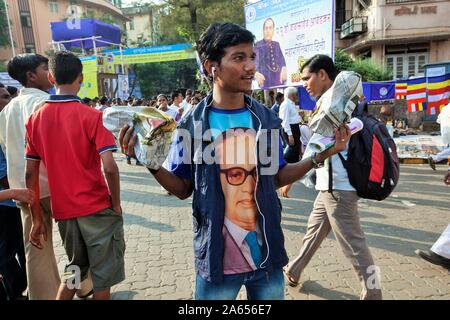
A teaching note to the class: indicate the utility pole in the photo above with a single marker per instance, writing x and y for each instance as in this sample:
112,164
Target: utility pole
9,28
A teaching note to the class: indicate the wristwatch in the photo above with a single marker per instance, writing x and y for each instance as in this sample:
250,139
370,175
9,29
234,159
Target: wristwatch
315,164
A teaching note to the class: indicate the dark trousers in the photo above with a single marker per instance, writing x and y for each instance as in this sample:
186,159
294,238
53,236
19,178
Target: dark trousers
12,254
292,153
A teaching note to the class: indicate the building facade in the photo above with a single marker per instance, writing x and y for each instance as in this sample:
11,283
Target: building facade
402,35
30,20
141,27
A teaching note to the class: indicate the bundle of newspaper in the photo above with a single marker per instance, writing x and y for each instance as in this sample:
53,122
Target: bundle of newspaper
336,105
318,143
154,130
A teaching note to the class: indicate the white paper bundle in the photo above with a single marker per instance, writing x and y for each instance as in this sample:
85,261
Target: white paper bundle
154,130
337,103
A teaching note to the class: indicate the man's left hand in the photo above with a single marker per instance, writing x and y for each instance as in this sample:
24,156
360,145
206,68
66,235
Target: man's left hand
342,135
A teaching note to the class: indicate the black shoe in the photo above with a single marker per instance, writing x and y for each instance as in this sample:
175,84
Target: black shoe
434,258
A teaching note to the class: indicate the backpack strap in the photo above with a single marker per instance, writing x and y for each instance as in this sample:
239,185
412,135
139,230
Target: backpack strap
330,178
344,162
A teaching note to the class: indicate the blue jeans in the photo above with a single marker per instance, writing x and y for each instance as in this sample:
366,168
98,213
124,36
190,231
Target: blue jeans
260,285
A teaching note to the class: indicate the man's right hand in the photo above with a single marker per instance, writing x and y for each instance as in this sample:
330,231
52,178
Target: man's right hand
291,140
127,140
260,79
37,230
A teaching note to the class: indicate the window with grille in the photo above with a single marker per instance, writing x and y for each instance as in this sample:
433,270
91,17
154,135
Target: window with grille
53,5
25,19
408,65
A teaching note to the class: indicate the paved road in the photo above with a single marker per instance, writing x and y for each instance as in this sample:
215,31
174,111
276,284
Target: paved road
159,254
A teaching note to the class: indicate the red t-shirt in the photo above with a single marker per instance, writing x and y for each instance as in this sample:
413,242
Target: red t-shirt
69,138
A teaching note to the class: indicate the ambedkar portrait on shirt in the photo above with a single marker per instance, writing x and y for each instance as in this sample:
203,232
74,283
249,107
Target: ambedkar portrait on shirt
235,154
271,68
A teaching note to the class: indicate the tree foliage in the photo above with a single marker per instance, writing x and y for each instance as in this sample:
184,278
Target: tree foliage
187,19
181,21
369,70
4,31
164,77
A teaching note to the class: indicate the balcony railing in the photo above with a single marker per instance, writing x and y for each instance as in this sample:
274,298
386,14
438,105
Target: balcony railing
354,27
401,1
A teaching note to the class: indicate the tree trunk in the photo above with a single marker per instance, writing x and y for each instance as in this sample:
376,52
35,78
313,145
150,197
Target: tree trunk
193,14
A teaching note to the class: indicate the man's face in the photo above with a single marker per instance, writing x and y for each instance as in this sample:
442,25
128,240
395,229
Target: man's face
294,98
238,177
40,77
268,30
314,84
162,102
5,98
237,68
179,99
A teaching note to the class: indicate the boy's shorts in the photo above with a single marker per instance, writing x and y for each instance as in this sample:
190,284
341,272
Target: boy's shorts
94,243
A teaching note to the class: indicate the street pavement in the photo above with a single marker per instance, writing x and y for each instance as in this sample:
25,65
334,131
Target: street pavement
159,258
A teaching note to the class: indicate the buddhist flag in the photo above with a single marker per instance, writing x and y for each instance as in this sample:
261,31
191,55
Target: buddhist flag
416,96
438,93
400,90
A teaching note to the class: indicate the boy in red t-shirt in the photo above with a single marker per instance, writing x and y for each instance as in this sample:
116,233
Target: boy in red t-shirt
71,140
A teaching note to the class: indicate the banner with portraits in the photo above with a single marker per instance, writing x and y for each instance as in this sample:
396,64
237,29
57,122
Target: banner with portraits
288,32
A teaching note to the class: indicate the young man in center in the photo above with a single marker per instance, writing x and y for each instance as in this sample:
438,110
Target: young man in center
238,240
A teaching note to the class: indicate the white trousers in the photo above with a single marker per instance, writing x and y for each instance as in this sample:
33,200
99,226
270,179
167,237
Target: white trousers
443,155
442,245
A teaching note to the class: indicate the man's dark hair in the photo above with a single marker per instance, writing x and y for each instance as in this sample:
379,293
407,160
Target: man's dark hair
12,90
161,96
86,101
321,61
175,94
65,67
20,65
279,96
218,37
103,100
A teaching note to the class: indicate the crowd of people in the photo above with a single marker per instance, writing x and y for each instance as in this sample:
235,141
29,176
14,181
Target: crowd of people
67,173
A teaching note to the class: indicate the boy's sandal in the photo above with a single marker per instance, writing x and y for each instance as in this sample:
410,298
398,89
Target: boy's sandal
290,279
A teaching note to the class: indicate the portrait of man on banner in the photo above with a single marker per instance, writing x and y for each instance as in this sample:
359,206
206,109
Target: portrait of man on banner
271,68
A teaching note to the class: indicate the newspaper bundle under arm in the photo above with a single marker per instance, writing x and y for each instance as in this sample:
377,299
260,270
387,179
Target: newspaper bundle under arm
319,143
154,131
337,104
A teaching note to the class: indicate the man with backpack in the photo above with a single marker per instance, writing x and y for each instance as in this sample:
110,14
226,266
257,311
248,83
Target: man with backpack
335,208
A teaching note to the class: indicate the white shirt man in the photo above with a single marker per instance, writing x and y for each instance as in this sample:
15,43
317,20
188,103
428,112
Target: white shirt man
12,136
289,114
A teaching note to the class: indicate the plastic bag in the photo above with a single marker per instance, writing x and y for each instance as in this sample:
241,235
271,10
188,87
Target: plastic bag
154,130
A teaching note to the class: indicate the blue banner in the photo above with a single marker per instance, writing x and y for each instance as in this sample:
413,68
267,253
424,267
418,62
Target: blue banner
305,101
379,90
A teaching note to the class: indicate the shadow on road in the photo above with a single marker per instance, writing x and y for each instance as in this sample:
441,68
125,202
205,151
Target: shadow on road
131,219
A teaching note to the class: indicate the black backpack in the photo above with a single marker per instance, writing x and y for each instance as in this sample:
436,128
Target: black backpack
372,163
